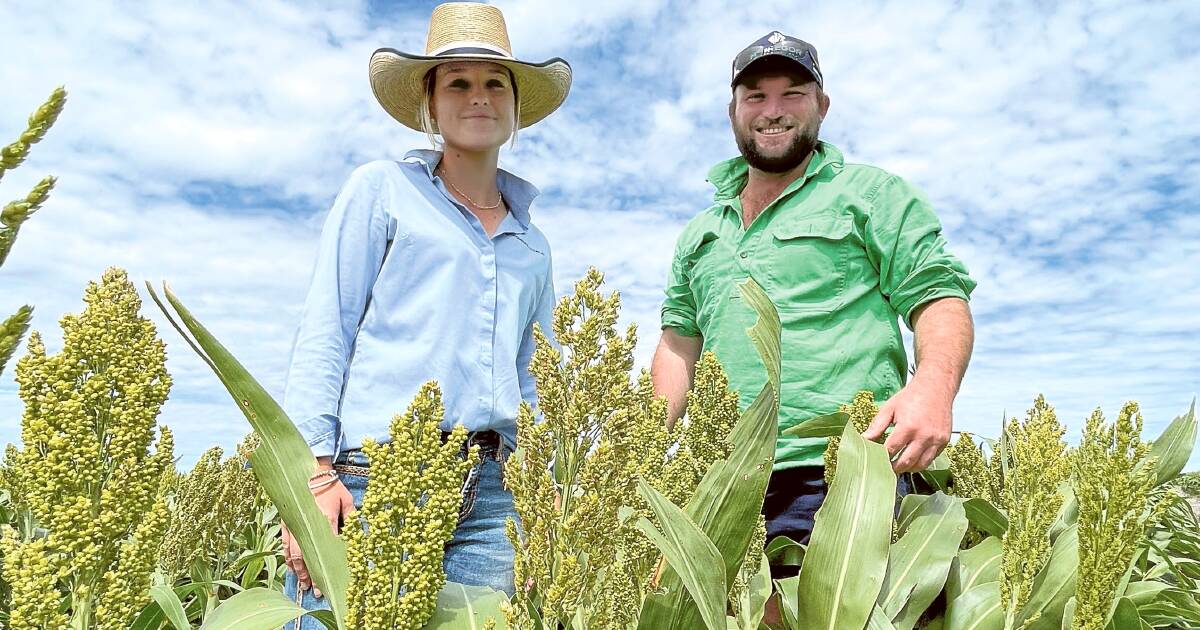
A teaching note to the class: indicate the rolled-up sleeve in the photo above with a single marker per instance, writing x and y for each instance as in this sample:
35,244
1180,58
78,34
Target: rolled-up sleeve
352,246
679,307
905,243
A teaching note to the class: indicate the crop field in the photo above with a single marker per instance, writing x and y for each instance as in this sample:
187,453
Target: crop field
624,523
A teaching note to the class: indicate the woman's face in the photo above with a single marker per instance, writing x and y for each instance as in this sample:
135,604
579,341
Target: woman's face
473,104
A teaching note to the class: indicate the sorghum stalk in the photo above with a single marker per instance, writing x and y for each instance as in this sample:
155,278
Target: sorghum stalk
750,566
673,463
16,212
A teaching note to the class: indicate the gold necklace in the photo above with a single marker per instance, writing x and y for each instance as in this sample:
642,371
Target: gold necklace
499,200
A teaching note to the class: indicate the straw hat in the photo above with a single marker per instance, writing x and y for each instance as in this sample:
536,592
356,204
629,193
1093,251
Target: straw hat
466,31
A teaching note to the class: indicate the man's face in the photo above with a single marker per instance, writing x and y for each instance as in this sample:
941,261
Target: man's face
776,119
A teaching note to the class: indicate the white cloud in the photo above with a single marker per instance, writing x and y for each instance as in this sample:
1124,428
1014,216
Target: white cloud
1059,143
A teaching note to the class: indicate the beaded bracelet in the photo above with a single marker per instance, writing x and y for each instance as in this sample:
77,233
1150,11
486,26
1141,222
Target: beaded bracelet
323,484
324,473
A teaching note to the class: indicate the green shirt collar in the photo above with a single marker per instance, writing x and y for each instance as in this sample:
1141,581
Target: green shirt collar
729,177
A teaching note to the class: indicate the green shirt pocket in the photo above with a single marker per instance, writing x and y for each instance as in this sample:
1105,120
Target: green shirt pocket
695,247
703,271
807,264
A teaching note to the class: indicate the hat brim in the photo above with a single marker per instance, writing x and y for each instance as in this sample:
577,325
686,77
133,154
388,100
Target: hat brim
397,81
756,65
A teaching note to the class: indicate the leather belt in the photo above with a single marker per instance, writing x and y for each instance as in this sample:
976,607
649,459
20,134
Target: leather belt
491,446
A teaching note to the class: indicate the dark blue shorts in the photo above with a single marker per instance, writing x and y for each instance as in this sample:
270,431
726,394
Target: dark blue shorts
793,497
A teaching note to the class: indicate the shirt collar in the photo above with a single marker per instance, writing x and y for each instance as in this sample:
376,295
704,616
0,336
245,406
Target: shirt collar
518,193
729,177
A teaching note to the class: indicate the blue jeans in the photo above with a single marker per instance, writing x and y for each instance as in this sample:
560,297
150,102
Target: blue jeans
478,555
793,497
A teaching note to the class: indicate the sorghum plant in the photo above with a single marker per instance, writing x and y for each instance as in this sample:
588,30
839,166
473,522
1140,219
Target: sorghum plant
974,476
574,470
283,463
703,436
40,122
11,331
1188,484
673,463
612,600
87,473
1037,463
190,508
579,557
410,511
1115,505
14,327
750,567
862,411
210,505
15,213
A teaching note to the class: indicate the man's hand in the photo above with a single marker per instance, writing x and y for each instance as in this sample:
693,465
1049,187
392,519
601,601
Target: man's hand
923,419
921,412
335,502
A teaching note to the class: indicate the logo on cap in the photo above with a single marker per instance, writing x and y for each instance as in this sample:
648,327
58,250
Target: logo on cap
775,37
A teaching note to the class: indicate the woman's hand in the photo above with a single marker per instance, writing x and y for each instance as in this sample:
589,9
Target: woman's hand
335,502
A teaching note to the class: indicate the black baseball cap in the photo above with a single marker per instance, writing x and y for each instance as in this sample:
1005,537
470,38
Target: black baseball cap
778,45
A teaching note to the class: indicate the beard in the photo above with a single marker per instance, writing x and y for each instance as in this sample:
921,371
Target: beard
792,156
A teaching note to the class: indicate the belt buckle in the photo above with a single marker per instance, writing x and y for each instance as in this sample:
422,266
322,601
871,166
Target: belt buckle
489,442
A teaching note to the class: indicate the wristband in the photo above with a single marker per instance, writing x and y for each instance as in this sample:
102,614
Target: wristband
324,473
323,484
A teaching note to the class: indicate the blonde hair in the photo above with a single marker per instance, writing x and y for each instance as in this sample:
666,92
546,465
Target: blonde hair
425,110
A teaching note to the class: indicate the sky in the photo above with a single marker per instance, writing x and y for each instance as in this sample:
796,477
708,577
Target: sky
202,144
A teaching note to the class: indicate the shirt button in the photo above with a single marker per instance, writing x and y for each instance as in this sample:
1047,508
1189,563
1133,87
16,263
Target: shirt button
743,254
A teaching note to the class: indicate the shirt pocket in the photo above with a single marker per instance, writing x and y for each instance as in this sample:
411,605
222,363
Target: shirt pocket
693,250
807,268
523,269
698,266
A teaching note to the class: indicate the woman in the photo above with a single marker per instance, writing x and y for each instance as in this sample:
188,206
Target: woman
430,268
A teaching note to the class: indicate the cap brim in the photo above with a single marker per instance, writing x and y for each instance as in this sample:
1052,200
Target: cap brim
396,80
749,69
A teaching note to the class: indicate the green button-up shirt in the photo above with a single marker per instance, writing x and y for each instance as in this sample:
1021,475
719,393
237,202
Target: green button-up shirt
843,252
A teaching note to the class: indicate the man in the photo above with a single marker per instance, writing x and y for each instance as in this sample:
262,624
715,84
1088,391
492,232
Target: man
843,250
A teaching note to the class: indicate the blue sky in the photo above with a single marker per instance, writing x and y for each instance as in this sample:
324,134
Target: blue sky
1059,143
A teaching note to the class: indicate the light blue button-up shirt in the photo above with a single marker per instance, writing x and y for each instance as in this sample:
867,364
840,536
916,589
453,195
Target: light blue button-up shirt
408,287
